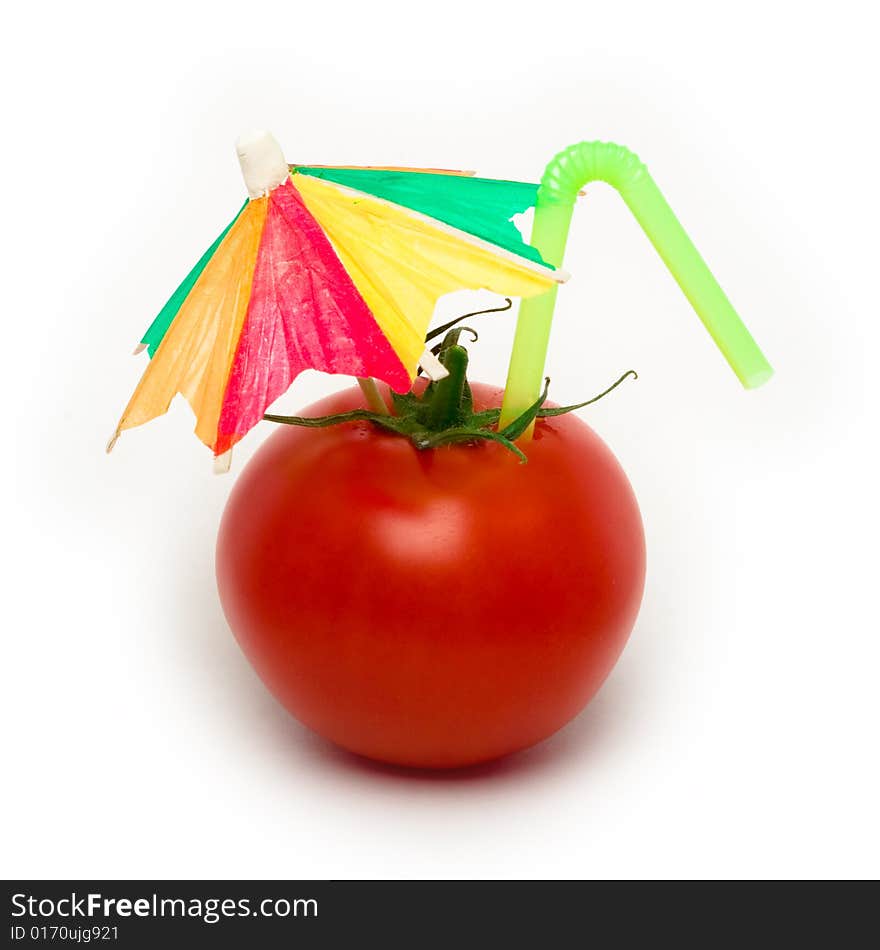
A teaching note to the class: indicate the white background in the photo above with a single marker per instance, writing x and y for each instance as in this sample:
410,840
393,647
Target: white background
738,735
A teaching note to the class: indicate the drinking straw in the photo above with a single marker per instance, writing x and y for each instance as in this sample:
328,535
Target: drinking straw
564,177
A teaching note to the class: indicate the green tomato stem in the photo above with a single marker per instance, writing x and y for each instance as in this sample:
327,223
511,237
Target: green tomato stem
446,399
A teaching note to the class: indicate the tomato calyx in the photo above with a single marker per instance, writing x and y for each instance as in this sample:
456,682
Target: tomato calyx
443,413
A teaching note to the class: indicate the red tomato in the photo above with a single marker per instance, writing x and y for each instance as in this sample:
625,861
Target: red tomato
431,608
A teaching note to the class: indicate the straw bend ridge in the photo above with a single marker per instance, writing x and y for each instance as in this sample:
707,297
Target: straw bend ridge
567,173
580,164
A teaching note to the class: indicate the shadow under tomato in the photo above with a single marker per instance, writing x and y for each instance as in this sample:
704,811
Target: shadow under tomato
602,727
598,728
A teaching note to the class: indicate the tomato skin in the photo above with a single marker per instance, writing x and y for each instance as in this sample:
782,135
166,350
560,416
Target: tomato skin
431,608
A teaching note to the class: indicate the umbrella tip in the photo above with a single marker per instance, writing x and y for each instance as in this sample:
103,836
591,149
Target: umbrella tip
223,462
432,367
262,162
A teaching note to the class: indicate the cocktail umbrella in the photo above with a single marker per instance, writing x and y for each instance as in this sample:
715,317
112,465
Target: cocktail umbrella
330,268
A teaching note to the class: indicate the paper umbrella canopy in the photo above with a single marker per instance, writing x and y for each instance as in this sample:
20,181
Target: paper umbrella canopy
336,269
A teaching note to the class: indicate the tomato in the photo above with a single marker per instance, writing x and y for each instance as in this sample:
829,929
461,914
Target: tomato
431,608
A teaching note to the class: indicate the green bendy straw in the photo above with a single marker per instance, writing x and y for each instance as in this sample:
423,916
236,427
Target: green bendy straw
564,177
